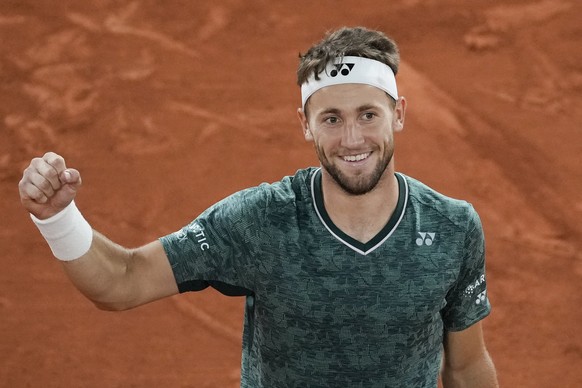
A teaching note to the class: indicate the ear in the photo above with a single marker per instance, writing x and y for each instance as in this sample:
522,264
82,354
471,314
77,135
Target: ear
399,114
304,124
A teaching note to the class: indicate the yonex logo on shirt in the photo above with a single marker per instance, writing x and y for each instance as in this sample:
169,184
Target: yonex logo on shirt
425,238
342,68
471,288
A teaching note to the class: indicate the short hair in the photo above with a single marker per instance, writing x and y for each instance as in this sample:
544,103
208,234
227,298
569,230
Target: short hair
348,41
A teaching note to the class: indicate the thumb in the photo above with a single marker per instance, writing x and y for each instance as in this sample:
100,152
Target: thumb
71,178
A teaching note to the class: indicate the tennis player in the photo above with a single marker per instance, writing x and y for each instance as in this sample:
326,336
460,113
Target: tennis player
354,275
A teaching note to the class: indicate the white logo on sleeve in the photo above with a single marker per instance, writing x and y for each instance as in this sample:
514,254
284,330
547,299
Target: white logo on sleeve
426,238
199,235
479,283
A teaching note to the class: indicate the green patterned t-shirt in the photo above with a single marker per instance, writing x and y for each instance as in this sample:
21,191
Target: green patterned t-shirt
325,310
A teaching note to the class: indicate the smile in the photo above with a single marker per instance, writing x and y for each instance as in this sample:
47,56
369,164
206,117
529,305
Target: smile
356,158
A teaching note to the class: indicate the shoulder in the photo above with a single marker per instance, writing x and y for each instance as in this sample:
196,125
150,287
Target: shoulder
432,203
269,197
290,188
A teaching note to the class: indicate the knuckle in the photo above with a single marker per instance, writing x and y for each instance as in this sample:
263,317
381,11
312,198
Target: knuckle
26,172
25,178
52,158
46,170
26,175
48,174
45,186
36,161
32,193
39,197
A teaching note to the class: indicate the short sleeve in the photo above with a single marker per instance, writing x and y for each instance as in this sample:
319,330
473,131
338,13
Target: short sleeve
218,248
467,301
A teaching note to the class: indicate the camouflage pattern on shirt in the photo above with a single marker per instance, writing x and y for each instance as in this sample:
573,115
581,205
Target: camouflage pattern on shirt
325,310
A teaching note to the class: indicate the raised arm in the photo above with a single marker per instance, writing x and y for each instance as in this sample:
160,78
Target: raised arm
113,277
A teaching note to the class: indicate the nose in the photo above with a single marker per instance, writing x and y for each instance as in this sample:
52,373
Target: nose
352,135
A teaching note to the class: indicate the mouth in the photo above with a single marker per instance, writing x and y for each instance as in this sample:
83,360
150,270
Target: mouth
356,158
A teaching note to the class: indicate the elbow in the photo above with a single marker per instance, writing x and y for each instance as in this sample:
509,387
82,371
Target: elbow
107,306
111,302
114,293
479,373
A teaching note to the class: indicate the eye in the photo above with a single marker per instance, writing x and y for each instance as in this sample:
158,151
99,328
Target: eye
368,115
331,120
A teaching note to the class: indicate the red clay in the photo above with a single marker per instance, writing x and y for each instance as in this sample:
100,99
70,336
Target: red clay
166,107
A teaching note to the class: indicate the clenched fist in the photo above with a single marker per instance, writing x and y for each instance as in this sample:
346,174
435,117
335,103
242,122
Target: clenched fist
48,186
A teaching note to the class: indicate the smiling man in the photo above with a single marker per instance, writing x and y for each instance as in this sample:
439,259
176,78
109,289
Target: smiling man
354,275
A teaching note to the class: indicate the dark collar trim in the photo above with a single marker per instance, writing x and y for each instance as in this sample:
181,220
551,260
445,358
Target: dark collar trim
376,241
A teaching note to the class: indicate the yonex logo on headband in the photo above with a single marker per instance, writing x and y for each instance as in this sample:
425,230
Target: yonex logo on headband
351,70
342,68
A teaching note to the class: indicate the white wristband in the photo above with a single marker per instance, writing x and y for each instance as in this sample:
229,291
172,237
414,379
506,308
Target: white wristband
67,233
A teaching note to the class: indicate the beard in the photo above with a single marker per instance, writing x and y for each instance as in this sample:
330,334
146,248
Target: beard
362,183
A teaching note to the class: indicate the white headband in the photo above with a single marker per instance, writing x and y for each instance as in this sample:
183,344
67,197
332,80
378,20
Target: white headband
352,70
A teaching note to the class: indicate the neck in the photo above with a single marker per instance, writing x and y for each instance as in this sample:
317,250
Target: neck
361,216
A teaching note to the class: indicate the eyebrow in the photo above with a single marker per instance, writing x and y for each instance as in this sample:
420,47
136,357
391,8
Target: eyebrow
367,107
334,111
338,111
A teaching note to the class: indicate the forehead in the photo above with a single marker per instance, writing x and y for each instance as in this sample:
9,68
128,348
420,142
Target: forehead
347,97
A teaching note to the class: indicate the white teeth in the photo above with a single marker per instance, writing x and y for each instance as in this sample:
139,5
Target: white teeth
356,158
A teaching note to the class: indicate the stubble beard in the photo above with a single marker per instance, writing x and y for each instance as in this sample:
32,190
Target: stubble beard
361,184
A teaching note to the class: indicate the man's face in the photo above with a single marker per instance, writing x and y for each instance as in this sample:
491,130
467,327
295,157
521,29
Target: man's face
352,128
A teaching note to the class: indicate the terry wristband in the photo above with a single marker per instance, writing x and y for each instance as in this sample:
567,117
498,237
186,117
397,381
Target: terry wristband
67,233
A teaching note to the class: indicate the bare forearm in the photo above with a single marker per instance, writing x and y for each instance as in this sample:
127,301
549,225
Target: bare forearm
480,374
99,273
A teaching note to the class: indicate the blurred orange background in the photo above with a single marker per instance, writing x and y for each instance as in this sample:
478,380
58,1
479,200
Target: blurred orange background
167,106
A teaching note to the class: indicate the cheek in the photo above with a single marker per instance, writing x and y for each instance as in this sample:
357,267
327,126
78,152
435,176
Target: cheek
322,137
324,145
389,139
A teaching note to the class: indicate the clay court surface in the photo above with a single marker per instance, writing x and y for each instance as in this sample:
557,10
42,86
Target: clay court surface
167,106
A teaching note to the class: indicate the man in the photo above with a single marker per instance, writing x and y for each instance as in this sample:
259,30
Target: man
354,275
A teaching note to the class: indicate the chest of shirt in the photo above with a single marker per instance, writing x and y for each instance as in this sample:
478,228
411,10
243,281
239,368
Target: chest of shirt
319,279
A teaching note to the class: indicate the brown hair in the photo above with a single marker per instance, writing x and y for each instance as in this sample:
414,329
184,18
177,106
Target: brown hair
348,41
